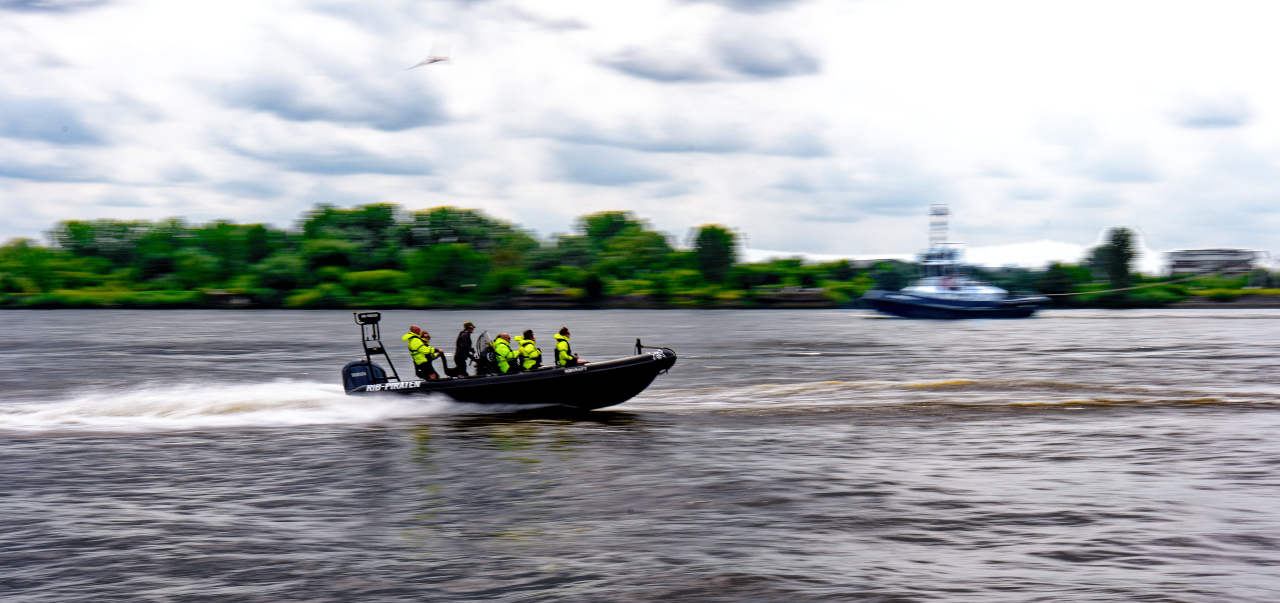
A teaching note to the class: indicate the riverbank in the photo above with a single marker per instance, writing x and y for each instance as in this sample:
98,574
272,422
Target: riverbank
796,298
783,299
1243,302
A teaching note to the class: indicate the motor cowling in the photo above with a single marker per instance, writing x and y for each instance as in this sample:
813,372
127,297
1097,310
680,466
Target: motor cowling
359,373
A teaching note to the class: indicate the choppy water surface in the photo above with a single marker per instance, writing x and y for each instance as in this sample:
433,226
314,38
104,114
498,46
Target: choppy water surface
789,455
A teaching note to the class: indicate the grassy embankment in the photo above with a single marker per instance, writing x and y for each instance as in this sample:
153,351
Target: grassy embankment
379,256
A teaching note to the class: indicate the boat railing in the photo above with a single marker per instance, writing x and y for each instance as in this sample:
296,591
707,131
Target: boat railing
640,348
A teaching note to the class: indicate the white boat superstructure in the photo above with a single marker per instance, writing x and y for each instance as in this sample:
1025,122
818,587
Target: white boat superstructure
953,288
944,275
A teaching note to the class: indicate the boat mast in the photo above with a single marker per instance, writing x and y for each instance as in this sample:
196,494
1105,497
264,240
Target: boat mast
941,257
938,224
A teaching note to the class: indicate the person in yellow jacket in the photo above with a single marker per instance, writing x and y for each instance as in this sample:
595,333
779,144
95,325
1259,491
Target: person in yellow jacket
529,352
422,353
506,355
564,353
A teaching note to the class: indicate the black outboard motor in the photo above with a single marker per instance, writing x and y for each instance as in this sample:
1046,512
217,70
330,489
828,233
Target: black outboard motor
359,373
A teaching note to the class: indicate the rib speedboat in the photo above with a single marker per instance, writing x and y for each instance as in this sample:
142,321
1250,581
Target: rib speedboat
584,387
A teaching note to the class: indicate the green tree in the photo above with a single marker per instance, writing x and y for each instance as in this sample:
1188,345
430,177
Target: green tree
330,252
447,225
28,263
258,243
618,245
1056,280
890,276
503,282
566,250
600,228
840,270
113,240
155,250
1118,257
375,230
449,267
196,268
716,251
376,281
633,252
283,271
593,285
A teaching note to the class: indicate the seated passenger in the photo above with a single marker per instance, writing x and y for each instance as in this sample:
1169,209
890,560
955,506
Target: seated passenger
529,351
564,354
506,356
422,353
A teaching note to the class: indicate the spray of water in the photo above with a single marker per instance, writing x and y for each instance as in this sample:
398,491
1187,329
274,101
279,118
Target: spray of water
166,407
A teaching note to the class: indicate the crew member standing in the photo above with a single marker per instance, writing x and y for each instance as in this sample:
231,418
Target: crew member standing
564,353
462,349
422,353
530,352
506,356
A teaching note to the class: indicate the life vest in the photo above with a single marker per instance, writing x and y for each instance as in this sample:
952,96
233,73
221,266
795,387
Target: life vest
563,352
532,355
419,349
505,354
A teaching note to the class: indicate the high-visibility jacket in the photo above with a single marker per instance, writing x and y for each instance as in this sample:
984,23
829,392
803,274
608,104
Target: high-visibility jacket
563,352
532,355
502,349
419,349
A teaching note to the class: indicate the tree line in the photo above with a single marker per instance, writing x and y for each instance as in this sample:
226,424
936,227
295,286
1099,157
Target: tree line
380,255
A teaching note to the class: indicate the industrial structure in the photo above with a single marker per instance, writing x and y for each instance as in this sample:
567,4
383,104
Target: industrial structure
1221,261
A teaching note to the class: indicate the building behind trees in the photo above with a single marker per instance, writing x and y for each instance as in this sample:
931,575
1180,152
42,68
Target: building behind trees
1220,261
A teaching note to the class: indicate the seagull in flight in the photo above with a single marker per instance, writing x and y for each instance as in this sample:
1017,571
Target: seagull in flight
439,54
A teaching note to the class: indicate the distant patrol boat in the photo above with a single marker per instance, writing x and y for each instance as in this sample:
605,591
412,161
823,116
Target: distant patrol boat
584,387
946,289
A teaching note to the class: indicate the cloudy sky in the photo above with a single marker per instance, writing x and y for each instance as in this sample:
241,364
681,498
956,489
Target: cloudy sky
810,126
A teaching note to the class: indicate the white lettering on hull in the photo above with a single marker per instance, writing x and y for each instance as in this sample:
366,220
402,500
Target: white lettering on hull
377,387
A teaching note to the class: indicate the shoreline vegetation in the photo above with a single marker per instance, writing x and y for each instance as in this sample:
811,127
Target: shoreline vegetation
445,257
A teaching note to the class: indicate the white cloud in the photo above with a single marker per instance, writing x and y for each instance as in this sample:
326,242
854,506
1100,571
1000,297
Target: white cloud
817,126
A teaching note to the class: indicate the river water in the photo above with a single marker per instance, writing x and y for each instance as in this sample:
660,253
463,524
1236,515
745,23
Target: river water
788,455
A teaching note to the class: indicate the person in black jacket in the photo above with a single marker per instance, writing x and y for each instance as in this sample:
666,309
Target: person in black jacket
462,349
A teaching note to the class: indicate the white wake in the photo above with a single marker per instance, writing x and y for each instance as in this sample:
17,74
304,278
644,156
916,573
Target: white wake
165,407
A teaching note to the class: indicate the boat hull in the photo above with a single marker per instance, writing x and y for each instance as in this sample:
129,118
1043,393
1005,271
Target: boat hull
914,306
585,387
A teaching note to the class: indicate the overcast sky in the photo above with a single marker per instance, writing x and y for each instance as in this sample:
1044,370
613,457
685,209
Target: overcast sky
813,126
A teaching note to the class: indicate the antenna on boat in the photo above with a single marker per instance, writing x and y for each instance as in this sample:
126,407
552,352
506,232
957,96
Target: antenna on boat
938,224
371,339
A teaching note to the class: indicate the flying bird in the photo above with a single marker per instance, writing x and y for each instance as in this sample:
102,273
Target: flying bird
439,54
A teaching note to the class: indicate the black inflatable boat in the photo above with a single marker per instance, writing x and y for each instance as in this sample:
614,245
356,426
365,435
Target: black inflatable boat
586,387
